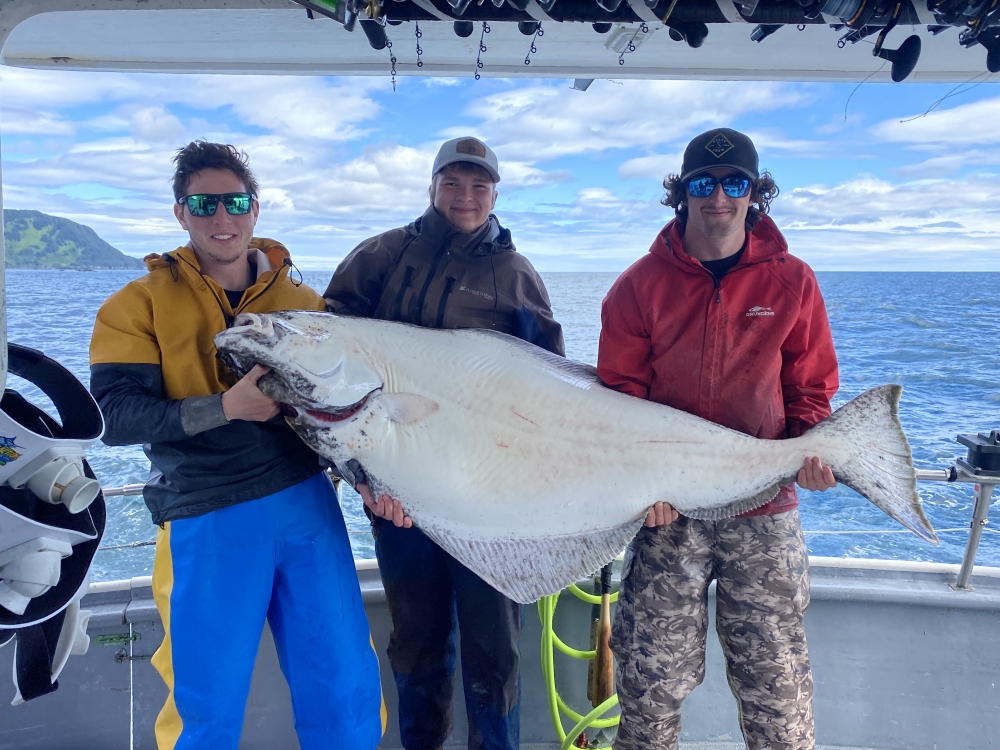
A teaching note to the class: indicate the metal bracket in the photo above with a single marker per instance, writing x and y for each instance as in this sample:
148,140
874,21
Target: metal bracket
118,639
121,655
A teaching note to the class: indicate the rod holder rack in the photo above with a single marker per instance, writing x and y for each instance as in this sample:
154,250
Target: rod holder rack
981,468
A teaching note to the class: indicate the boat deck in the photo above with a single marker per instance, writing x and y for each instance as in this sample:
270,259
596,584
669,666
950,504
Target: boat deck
901,661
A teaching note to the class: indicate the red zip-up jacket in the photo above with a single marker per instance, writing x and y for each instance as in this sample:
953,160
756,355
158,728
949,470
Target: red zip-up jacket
752,352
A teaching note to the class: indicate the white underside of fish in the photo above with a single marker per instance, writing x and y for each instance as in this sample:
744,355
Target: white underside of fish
522,465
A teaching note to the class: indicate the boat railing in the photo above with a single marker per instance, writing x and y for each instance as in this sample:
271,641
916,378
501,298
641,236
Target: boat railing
982,474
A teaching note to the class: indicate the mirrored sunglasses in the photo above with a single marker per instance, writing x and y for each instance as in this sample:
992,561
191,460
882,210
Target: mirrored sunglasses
734,185
205,204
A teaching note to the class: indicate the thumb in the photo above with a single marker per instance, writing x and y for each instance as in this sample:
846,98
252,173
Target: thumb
367,496
256,373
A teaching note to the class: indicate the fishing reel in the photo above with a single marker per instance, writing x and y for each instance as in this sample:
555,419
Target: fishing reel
978,20
52,518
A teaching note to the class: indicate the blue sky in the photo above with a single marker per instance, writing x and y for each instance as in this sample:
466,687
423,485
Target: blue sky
340,159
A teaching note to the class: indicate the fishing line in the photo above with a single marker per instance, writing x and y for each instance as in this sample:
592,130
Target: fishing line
825,532
152,542
482,49
630,47
533,49
669,12
418,34
954,92
392,56
853,532
847,103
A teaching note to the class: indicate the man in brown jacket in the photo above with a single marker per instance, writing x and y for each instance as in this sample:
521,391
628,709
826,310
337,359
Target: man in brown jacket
454,267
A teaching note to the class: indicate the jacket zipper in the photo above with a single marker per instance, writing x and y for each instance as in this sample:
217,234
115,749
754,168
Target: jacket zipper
263,291
397,306
427,283
444,302
226,317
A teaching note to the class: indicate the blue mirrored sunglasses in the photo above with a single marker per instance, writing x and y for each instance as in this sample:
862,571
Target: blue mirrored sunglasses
205,204
703,185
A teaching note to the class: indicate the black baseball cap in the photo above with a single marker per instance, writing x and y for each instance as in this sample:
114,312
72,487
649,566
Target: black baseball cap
721,147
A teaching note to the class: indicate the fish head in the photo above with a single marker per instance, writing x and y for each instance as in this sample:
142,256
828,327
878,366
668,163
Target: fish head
320,372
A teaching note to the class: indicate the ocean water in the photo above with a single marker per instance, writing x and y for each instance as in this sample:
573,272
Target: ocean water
935,333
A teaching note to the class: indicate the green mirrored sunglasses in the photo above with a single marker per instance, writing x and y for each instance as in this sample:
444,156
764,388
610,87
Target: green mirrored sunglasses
204,204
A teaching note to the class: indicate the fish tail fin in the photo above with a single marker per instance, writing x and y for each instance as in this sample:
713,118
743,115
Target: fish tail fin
875,458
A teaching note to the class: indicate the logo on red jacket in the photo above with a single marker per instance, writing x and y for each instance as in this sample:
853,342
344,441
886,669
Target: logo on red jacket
759,312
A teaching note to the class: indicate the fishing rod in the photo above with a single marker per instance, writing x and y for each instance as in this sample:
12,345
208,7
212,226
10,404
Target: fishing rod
689,21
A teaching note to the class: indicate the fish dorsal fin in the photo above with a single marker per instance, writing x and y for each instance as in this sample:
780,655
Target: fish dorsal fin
581,374
408,408
527,569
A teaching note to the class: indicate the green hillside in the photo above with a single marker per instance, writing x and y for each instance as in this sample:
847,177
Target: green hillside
36,240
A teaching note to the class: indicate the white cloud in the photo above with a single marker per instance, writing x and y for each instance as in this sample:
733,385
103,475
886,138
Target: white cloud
955,138
771,139
969,124
654,167
873,204
28,88
949,163
872,223
320,197
23,121
300,107
542,122
308,108
155,125
517,174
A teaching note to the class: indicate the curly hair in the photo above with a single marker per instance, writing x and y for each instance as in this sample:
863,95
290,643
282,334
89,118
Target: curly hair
199,155
762,192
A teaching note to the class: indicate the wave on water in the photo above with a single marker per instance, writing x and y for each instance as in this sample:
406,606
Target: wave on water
921,323
951,386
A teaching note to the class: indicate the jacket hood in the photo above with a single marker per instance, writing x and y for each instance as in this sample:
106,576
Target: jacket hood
492,238
764,243
265,254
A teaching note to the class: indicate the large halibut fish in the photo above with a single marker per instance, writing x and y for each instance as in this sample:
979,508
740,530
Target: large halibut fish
521,464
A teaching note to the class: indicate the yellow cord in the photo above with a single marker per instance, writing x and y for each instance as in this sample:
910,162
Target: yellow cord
557,706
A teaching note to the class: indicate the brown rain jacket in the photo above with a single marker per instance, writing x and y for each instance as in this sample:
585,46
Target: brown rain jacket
431,274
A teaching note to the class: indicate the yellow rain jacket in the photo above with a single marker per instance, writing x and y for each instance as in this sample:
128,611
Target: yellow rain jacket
155,374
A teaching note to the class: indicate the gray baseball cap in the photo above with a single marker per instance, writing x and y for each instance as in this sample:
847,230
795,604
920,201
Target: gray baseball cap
467,149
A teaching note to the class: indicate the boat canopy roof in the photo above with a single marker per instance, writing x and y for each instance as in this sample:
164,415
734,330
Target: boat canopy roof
800,40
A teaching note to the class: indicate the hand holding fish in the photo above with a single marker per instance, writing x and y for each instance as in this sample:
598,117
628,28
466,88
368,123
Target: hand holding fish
385,507
245,400
661,514
815,476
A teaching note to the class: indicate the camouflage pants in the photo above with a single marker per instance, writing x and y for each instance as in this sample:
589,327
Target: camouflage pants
762,591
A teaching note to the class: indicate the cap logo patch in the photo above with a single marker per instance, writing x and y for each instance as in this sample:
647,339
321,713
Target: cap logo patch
719,146
472,147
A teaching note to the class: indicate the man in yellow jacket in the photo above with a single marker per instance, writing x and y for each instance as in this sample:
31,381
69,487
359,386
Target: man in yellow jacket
250,527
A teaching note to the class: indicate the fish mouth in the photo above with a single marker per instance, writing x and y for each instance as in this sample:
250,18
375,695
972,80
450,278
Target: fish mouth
329,415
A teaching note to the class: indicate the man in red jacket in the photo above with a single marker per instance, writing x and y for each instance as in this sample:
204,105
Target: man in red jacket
720,321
